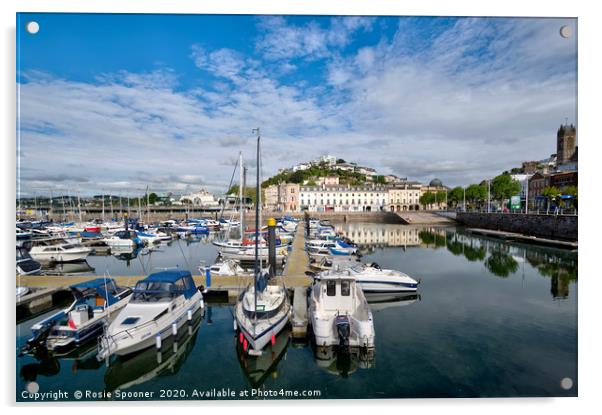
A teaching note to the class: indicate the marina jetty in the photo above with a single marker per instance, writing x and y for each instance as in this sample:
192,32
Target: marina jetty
47,291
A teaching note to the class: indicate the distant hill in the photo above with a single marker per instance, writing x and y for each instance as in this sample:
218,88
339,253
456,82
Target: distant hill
314,172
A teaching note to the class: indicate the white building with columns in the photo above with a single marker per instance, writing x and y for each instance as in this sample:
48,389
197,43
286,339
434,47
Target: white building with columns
344,198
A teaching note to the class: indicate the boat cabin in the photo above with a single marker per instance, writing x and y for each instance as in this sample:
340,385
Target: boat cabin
337,293
126,234
164,286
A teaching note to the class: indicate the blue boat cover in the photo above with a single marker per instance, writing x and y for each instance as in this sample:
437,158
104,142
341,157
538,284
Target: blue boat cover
261,283
342,244
170,277
102,286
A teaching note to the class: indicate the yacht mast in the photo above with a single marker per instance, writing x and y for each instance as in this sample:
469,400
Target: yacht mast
79,207
240,196
147,205
257,268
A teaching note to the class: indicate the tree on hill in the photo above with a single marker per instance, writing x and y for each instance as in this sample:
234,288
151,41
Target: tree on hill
380,180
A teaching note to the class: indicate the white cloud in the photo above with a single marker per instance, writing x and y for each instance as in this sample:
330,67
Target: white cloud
463,103
311,41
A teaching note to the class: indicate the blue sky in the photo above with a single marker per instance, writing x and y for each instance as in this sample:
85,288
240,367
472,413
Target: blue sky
119,102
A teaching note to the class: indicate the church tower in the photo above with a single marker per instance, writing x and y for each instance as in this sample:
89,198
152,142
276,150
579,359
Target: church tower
565,143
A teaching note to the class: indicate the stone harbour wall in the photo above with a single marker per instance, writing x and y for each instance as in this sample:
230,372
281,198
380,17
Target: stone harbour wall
561,227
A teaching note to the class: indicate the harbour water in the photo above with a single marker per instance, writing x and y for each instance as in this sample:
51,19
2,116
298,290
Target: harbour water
491,319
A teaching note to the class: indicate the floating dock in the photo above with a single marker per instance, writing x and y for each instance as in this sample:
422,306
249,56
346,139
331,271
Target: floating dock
518,237
299,320
296,267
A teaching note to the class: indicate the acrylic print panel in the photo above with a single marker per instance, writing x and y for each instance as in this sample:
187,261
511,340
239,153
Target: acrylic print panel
421,174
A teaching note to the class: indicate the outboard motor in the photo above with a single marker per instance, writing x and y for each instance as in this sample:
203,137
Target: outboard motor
34,344
343,330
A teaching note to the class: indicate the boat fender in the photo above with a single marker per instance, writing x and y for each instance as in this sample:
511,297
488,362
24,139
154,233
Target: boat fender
245,345
240,337
174,329
158,341
189,315
234,325
273,340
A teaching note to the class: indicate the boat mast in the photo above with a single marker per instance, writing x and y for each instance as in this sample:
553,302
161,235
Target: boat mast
240,196
139,208
147,205
64,211
79,207
103,206
257,268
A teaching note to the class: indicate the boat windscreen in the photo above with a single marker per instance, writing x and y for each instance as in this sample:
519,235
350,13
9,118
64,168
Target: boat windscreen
154,291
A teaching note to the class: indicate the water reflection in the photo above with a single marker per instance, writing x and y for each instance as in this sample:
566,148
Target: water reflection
560,267
48,365
500,258
382,301
503,259
125,372
65,268
343,362
500,263
258,368
125,254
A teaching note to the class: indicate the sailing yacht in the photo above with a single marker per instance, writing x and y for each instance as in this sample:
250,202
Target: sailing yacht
262,309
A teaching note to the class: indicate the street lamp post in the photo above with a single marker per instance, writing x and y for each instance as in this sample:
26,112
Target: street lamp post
446,199
527,198
488,196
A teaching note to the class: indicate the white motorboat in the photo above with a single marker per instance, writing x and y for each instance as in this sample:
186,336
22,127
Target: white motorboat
124,239
319,243
148,238
58,250
325,263
22,236
248,254
373,279
339,313
95,302
161,304
228,268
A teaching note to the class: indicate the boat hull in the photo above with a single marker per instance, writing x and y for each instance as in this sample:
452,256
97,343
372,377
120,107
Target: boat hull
138,342
61,256
259,341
